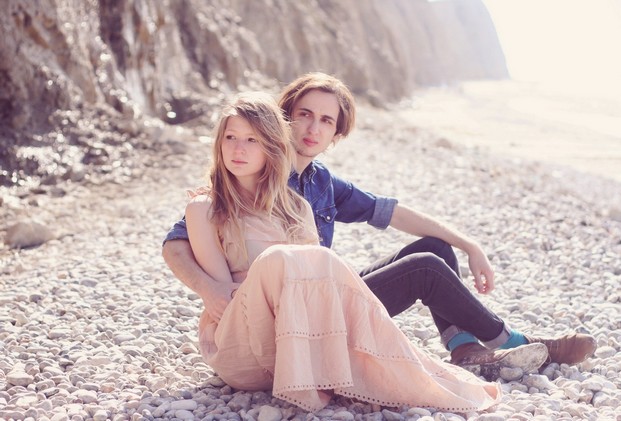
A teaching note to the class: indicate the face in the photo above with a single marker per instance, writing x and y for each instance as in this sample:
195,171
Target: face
314,120
242,153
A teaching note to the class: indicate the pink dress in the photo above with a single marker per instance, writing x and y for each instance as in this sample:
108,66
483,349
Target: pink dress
304,324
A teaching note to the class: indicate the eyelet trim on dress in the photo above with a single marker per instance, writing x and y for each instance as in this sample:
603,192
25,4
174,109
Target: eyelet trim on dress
337,388
398,404
306,334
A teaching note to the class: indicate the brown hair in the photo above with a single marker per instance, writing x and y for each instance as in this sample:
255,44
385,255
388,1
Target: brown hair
294,91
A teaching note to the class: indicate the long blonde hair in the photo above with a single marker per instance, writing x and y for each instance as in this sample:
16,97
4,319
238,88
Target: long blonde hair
273,198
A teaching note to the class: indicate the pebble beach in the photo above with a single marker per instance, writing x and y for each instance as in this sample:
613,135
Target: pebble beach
93,325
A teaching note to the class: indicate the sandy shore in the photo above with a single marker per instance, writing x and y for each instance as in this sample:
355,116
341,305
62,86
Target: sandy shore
554,125
94,326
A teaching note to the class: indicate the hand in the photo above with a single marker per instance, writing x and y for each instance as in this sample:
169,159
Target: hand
217,298
199,191
481,269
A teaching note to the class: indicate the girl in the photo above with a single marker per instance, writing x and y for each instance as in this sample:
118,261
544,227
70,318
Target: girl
285,314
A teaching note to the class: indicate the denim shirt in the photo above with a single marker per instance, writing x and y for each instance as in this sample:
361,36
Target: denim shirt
332,199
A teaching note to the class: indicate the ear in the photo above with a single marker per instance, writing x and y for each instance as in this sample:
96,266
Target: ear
336,139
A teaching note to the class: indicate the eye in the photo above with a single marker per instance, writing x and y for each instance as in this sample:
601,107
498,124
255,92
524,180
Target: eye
328,121
229,137
252,140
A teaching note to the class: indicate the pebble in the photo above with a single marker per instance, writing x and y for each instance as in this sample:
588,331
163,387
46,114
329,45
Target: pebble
189,405
606,352
269,413
538,381
100,415
184,414
388,415
27,234
19,378
511,373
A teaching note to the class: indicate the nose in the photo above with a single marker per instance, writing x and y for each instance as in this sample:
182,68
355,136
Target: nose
313,128
239,146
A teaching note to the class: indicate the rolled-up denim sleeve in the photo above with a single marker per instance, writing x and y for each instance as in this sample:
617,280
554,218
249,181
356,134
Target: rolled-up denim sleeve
356,205
382,214
179,231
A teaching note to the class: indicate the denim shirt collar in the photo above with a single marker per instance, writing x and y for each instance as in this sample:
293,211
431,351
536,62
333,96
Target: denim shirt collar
317,191
298,181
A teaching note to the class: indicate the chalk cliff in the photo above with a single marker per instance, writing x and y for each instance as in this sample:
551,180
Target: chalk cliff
83,83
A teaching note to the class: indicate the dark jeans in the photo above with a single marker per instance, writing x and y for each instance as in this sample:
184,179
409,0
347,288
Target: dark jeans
428,270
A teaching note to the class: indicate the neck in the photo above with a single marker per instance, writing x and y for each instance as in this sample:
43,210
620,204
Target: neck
248,185
301,162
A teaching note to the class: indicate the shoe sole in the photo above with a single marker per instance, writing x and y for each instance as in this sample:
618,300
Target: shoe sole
527,357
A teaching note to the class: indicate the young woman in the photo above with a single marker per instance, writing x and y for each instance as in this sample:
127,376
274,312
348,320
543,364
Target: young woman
284,313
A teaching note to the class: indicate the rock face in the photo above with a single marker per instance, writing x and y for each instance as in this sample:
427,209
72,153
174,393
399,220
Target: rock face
84,85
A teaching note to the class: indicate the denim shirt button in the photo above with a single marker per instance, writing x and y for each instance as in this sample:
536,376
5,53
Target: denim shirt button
328,218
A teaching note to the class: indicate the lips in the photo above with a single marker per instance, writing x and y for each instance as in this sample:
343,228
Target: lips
238,162
309,142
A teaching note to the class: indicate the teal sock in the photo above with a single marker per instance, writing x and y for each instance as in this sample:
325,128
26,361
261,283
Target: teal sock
515,339
460,339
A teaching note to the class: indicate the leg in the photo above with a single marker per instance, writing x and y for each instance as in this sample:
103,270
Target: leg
433,277
426,277
398,299
398,294
433,245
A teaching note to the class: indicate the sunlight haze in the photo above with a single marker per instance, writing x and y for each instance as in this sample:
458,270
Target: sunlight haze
572,43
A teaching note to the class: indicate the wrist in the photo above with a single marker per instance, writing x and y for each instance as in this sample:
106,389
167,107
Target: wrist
471,247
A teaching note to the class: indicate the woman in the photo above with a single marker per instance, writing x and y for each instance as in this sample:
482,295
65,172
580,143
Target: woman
284,313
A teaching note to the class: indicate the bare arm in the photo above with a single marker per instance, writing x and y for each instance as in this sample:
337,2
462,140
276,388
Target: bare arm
200,263
215,295
179,257
422,225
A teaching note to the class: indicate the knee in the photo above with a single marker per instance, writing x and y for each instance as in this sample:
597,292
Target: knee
436,246
280,253
271,260
434,266
273,253
293,257
433,245
424,260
